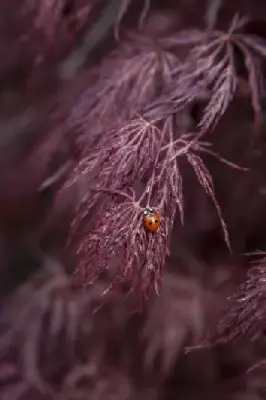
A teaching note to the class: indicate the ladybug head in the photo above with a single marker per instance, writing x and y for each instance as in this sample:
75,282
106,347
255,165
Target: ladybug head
148,211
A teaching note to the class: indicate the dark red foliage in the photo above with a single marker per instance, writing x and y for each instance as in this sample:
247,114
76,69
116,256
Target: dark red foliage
108,108
144,140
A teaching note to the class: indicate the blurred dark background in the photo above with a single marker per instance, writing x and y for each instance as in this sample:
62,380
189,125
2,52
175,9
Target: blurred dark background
51,344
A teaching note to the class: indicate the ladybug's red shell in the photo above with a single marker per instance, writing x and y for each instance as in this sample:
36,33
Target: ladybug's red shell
151,220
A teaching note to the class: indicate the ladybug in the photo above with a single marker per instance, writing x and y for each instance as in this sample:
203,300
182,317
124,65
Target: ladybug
151,220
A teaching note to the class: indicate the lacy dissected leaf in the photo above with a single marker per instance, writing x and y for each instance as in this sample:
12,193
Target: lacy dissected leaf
223,90
253,49
211,67
128,80
118,233
120,158
246,311
187,145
